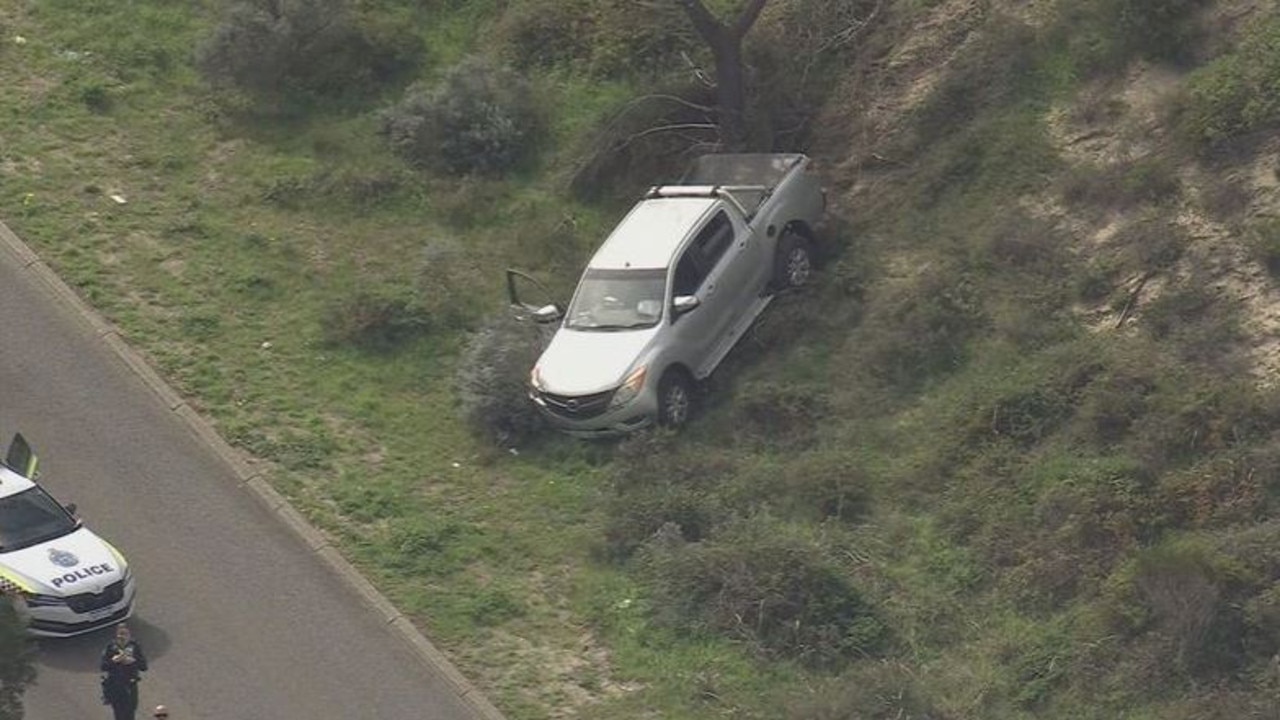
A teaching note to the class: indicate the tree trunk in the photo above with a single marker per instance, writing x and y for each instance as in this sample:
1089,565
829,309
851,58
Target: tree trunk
725,42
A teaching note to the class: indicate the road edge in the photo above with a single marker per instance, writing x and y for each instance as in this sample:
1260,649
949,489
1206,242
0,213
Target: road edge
251,480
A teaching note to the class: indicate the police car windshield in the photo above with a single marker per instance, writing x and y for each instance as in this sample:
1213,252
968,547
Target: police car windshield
31,517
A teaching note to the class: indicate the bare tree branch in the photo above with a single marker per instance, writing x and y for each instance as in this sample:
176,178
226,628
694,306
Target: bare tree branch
661,129
673,98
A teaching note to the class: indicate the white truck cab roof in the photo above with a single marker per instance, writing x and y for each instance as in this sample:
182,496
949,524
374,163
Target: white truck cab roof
652,233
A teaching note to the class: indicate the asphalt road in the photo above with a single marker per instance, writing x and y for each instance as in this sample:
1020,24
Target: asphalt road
241,619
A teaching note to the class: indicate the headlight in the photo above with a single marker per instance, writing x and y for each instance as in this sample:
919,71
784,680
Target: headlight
630,387
38,600
535,378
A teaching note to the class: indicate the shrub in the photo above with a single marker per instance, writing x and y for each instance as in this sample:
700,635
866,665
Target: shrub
1084,514
659,483
1102,36
480,118
445,276
1235,94
546,33
1159,30
763,583
996,68
1040,660
1196,320
1108,408
1224,490
779,415
606,38
1181,588
922,329
1263,239
1121,186
492,381
823,484
1189,418
375,319
868,691
307,47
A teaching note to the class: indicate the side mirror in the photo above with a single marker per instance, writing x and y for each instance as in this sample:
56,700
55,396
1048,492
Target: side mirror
547,314
21,459
71,508
684,303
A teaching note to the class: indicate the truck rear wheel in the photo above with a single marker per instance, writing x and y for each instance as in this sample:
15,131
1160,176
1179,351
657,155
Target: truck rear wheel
794,262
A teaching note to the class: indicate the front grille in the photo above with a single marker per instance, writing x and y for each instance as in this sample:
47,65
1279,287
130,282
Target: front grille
576,407
88,602
54,627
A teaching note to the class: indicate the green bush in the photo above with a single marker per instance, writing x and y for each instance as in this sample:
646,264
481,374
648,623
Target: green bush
882,690
605,38
1228,489
480,118
1189,418
547,33
308,47
492,381
824,484
1181,591
1263,239
1121,186
996,69
765,584
1159,30
375,319
1237,93
1197,321
922,329
779,415
1102,36
641,38
1108,408
659,483
1088,512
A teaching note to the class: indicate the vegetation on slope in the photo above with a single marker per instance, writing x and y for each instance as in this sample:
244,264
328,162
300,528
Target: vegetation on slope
1012,456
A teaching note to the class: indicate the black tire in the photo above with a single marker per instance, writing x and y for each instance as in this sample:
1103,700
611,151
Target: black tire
675,399
794,263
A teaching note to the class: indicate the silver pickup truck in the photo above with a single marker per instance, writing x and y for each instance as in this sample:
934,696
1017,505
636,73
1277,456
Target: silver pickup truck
672,289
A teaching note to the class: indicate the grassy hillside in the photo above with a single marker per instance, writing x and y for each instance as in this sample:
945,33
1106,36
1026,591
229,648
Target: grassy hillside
1012,456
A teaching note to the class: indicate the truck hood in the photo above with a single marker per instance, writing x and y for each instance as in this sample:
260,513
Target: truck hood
77,562
585,362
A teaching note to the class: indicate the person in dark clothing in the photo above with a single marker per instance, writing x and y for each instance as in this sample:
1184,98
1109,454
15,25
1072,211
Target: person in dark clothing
123,662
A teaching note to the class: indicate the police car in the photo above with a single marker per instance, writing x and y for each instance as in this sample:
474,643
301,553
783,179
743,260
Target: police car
62,579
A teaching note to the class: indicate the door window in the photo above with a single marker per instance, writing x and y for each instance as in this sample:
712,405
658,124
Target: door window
714,239
688,275
708,246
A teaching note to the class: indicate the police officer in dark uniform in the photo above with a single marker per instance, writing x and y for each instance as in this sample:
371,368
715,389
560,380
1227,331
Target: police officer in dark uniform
123,662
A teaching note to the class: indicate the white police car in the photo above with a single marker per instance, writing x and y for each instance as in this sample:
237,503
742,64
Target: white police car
62,579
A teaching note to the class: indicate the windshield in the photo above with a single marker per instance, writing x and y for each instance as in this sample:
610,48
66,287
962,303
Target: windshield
618,299
31,517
